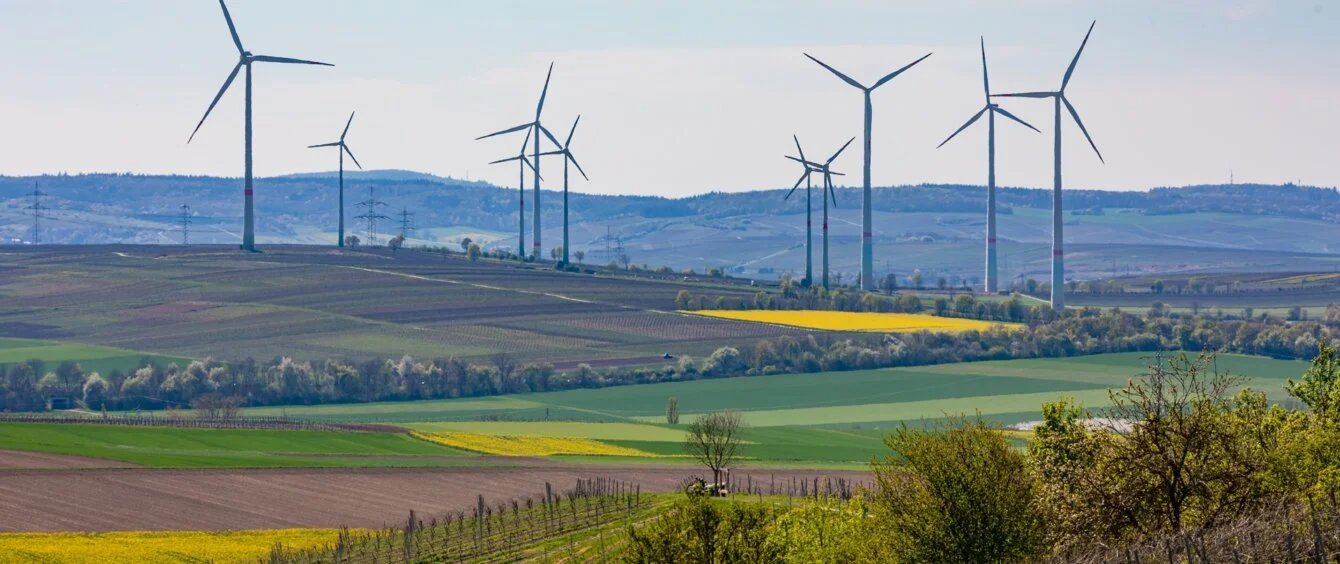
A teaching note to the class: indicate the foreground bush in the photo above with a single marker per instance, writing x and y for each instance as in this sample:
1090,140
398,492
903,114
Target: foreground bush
700,530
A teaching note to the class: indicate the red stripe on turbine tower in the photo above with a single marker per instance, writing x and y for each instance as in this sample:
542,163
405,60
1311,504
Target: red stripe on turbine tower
1056,252
865,234
246,192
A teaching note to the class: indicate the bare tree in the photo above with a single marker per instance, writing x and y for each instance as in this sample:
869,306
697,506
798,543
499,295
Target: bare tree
505,364
672,410
580,255
714,440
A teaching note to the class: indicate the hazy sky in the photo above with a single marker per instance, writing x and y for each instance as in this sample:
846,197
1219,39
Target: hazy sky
678,97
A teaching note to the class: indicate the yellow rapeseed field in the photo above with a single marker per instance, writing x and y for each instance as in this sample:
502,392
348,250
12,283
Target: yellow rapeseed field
854,321
528,446
155,547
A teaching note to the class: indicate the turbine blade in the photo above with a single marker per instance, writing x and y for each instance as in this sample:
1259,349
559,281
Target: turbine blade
351,155
526,142
289,60
1075,114
893,74
798,183
226,83
528,164
572,131
798,149
970,121
844,77
231,29
828,181
810,164
574,163
1007,114
545,130
1071,70
510,159
553,152
986,82
1026,95
346,126
836,173
335,144
508,130
839,151
545,92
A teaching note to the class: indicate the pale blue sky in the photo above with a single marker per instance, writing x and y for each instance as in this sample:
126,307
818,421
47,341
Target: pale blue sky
678,97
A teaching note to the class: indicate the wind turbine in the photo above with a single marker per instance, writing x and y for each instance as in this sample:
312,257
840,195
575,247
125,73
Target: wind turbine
538,130
343,149
521,185
566,151
990,110
809,228
825,168
1058,97
867,229
245,58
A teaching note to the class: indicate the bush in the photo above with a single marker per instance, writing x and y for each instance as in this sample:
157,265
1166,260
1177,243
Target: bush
698,529
957,492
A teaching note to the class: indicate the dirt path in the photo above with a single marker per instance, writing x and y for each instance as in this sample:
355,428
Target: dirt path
20,460
147,499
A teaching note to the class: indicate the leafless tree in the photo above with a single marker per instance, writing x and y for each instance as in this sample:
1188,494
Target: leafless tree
714,440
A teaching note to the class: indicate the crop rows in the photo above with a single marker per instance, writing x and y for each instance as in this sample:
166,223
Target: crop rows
488,533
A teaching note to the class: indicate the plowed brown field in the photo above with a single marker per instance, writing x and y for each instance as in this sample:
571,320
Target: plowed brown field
145,499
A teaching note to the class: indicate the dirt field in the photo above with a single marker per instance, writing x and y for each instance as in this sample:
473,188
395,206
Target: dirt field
142,499
19,460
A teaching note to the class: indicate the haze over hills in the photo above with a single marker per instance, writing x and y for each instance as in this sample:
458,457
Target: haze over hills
935,228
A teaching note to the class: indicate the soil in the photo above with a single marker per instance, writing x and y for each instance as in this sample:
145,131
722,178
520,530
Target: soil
149,499
19,460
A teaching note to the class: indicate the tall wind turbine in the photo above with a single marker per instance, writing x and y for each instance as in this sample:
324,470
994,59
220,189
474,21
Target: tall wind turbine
809,228
538,130
566,151
1059,99
522,163
826,169
990,110
343,149
867,229
245,58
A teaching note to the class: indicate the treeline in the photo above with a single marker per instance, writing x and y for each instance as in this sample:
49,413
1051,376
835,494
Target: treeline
1183,467
26,386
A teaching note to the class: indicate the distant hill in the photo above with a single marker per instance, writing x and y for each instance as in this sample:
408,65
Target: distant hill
937,228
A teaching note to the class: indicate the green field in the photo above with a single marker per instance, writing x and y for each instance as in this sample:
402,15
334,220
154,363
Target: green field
91,358
165,447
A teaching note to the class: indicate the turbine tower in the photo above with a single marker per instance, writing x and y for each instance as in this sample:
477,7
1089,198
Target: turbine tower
538,130
343,148
867,229
809,227
826,169
990,109
245,59
1059,99
566,151
521,185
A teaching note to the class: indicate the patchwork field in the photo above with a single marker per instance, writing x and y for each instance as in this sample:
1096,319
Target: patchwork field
317,303
156,547
91,358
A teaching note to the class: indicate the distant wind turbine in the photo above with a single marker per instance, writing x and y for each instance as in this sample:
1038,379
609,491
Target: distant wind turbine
245,58
1058,97
990,110
826,169
522,163
566,151
805,177
867,229
343,149
538,129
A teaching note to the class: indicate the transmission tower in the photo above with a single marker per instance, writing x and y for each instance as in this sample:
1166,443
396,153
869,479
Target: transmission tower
185,224
36,209
406,222
371,214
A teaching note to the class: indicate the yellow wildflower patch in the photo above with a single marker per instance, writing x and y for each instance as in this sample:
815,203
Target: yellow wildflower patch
528,445
854,320
156,547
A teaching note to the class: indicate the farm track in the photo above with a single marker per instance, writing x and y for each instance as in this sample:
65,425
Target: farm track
97,500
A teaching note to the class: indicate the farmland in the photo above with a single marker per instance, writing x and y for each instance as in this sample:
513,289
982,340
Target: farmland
853,321
312,303
92,358
156,547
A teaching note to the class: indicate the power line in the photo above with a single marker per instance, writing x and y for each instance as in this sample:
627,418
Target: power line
185,224
406,222
36,209
371,216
